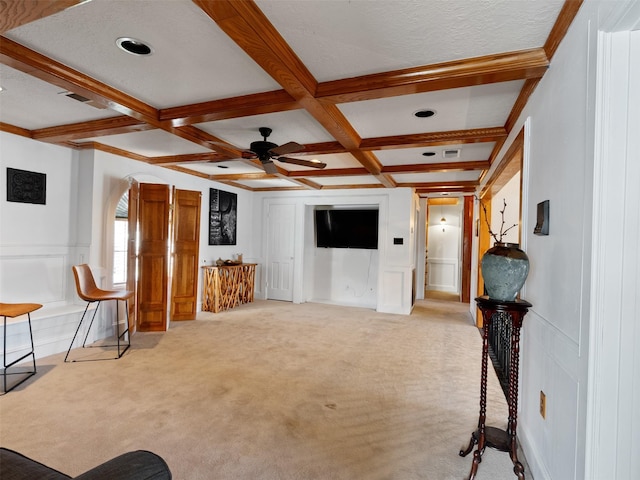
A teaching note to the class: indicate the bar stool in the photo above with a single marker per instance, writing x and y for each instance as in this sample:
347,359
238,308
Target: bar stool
13,310
89,291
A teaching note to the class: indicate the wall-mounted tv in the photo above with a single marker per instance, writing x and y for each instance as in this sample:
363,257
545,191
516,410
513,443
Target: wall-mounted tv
346,228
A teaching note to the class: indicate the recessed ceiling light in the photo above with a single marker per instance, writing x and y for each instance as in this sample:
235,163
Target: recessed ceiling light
133,46
429,154
424,113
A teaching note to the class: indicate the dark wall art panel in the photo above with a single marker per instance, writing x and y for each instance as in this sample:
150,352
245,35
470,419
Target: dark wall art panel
223,217
26,187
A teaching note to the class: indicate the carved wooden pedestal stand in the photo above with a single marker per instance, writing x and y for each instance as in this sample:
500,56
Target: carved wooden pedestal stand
492,437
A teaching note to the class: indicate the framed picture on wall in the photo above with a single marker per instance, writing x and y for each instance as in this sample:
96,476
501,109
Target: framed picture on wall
223,216
26,187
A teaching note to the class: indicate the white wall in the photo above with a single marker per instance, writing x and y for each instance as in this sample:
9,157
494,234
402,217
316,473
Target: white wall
391,264
40,243
558,165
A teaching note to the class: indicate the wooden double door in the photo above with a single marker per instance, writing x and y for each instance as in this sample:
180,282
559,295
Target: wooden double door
164,233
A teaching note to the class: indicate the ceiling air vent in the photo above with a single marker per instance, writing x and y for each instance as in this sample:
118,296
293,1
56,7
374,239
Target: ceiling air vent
84,100
451,153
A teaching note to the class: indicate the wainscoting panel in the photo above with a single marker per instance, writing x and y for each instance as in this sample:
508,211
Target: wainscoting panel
42,274
442,274
395,292
33,279
554,370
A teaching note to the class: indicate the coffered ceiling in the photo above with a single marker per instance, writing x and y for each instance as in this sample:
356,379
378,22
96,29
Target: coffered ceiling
343,78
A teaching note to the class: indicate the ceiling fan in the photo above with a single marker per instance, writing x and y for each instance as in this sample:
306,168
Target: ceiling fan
267,151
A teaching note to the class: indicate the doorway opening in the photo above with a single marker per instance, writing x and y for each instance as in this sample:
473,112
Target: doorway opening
444,236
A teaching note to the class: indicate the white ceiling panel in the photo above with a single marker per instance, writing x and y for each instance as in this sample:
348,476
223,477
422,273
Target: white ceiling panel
469,176
32,103
456,109
152,143
292,126
346,180
222,168
468,152
273,183
344,38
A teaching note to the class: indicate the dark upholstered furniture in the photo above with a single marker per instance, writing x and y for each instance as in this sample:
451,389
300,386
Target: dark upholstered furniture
138,465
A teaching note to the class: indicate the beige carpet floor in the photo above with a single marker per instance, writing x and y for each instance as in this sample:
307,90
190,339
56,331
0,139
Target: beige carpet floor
272,391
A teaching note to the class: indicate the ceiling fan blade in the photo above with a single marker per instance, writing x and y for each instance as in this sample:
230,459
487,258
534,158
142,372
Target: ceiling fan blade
248,154
304,163
269,167
286,148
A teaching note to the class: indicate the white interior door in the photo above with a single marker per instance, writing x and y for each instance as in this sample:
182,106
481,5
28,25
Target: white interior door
280,253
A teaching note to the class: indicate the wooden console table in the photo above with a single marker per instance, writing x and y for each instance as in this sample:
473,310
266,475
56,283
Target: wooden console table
227,286
493,437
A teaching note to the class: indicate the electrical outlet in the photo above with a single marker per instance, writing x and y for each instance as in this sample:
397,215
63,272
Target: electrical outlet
543,404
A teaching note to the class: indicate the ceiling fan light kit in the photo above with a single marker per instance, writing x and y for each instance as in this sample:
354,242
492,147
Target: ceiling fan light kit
266,152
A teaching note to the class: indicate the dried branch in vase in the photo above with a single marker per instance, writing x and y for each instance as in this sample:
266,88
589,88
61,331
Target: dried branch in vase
503,232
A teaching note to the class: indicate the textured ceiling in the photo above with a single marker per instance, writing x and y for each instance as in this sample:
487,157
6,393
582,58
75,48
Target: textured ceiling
343,78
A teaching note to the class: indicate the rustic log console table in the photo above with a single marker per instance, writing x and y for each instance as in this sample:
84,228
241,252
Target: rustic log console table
227,286
493,437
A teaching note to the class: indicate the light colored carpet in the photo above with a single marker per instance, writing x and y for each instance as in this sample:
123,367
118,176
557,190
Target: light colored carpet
272,391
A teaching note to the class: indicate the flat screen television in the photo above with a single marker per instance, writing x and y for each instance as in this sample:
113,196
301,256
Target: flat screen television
347,228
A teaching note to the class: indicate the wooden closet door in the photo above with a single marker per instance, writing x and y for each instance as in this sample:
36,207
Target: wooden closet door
186,241
153,222
132,253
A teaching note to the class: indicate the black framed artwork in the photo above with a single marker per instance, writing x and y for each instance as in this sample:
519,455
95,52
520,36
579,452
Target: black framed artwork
223,217
26,187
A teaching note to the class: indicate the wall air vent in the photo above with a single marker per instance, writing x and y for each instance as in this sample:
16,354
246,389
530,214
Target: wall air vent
84,100
451,153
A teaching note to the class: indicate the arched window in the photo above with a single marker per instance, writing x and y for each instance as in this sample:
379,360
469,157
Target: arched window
120,241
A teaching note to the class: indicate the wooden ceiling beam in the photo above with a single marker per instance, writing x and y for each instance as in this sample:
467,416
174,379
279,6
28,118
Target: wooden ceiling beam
334,172
437,167
7,127
248,27
559,30
244,176
477,135
195,173
442,188
235,107
204,139
95,128
311,184
502,67
351,187
37,65
212,157
109,149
